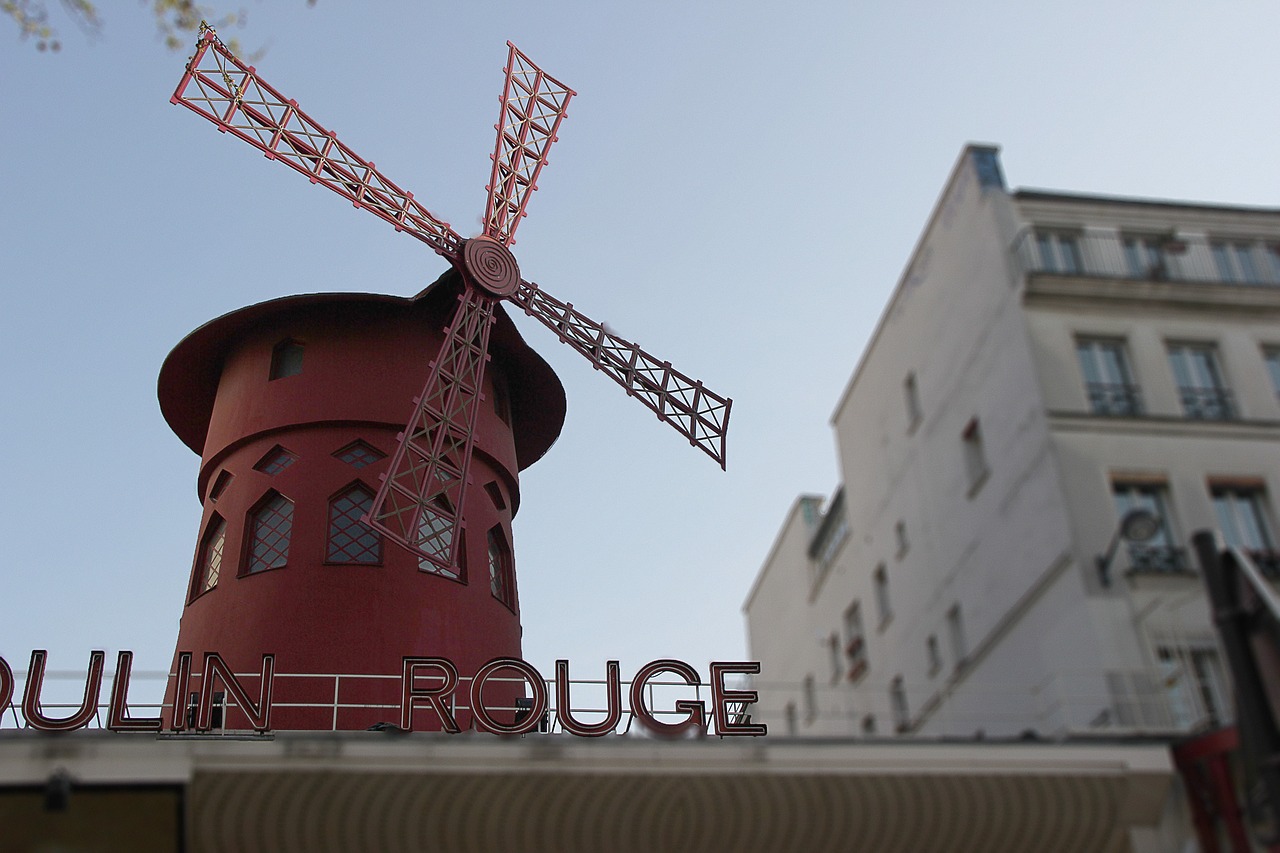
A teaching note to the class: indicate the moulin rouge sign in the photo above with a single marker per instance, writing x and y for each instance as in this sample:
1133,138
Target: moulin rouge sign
435,698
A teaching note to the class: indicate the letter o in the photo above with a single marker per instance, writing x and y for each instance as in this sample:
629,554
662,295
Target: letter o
486,723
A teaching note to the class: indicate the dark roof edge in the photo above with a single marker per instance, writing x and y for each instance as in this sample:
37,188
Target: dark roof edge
1057,195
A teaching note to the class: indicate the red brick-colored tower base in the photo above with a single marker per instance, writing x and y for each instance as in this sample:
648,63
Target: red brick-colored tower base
295,406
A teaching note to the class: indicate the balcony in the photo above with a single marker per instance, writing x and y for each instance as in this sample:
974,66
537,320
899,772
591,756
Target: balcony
1158,560
1207,403
1113,399
1145,258
1268,562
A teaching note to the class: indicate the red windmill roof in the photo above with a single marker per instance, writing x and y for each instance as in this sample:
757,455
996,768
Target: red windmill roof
188,381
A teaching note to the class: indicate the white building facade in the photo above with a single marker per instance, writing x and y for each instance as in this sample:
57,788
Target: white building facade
1046,363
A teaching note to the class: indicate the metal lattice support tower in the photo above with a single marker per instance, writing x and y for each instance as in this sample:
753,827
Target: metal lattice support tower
420,500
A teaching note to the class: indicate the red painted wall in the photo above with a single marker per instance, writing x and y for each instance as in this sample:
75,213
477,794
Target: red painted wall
365,359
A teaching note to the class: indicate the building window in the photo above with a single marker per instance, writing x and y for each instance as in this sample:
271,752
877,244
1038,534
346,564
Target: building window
1160,553
358,455
959,644
1150,257
1196,686
501,399
435,534
1108,382
934,653
501,577
211,551
270,526
286,359
1058,252
220,484
350,539
900,537
1272,255
911,392
855,645
1271,355
810,699
1236,261
835,657
494,491
898,701
832,533
975,456
276,460
883,605
1241,509
1204,392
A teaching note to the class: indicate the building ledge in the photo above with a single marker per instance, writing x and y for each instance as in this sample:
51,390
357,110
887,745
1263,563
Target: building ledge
370,790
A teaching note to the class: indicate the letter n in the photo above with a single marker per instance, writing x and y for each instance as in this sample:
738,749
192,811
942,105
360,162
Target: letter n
259,714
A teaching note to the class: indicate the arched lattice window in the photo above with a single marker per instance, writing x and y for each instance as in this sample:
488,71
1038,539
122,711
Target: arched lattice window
435,535
270,526
501,577
212,548
351,541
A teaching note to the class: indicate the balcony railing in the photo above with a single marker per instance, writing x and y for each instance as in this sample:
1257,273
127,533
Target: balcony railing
1114,400
1158,559
1144,258
1267,561
1207,404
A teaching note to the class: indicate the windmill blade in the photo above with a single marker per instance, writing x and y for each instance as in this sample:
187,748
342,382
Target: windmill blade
694,411
230,94
420,501
533,105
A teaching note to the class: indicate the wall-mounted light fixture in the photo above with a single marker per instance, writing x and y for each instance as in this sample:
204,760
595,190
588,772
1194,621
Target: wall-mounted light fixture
1138,525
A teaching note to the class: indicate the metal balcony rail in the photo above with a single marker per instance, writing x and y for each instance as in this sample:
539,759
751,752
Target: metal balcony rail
63,693
1207,404
1114,399
1147,257
1158,559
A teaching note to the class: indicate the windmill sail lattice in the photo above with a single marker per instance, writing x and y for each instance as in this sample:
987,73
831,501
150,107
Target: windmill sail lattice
533,105
421,500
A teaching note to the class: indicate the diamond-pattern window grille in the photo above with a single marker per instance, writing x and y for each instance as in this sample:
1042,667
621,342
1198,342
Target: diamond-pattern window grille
434,532
270,526
276,460
359,455
211,557
350,540
501,582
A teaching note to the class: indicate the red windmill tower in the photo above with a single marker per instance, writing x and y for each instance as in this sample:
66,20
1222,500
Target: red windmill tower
296,407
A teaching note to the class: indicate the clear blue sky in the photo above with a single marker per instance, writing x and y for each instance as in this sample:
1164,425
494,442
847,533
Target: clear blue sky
737,189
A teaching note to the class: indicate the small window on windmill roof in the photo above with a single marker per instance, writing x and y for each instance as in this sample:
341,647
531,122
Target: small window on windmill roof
286,359
276,460
357,454
220,484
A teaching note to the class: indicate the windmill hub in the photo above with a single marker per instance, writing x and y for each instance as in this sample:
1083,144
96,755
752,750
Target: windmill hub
491,266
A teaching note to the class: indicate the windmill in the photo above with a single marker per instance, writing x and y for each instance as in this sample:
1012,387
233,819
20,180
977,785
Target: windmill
419,502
